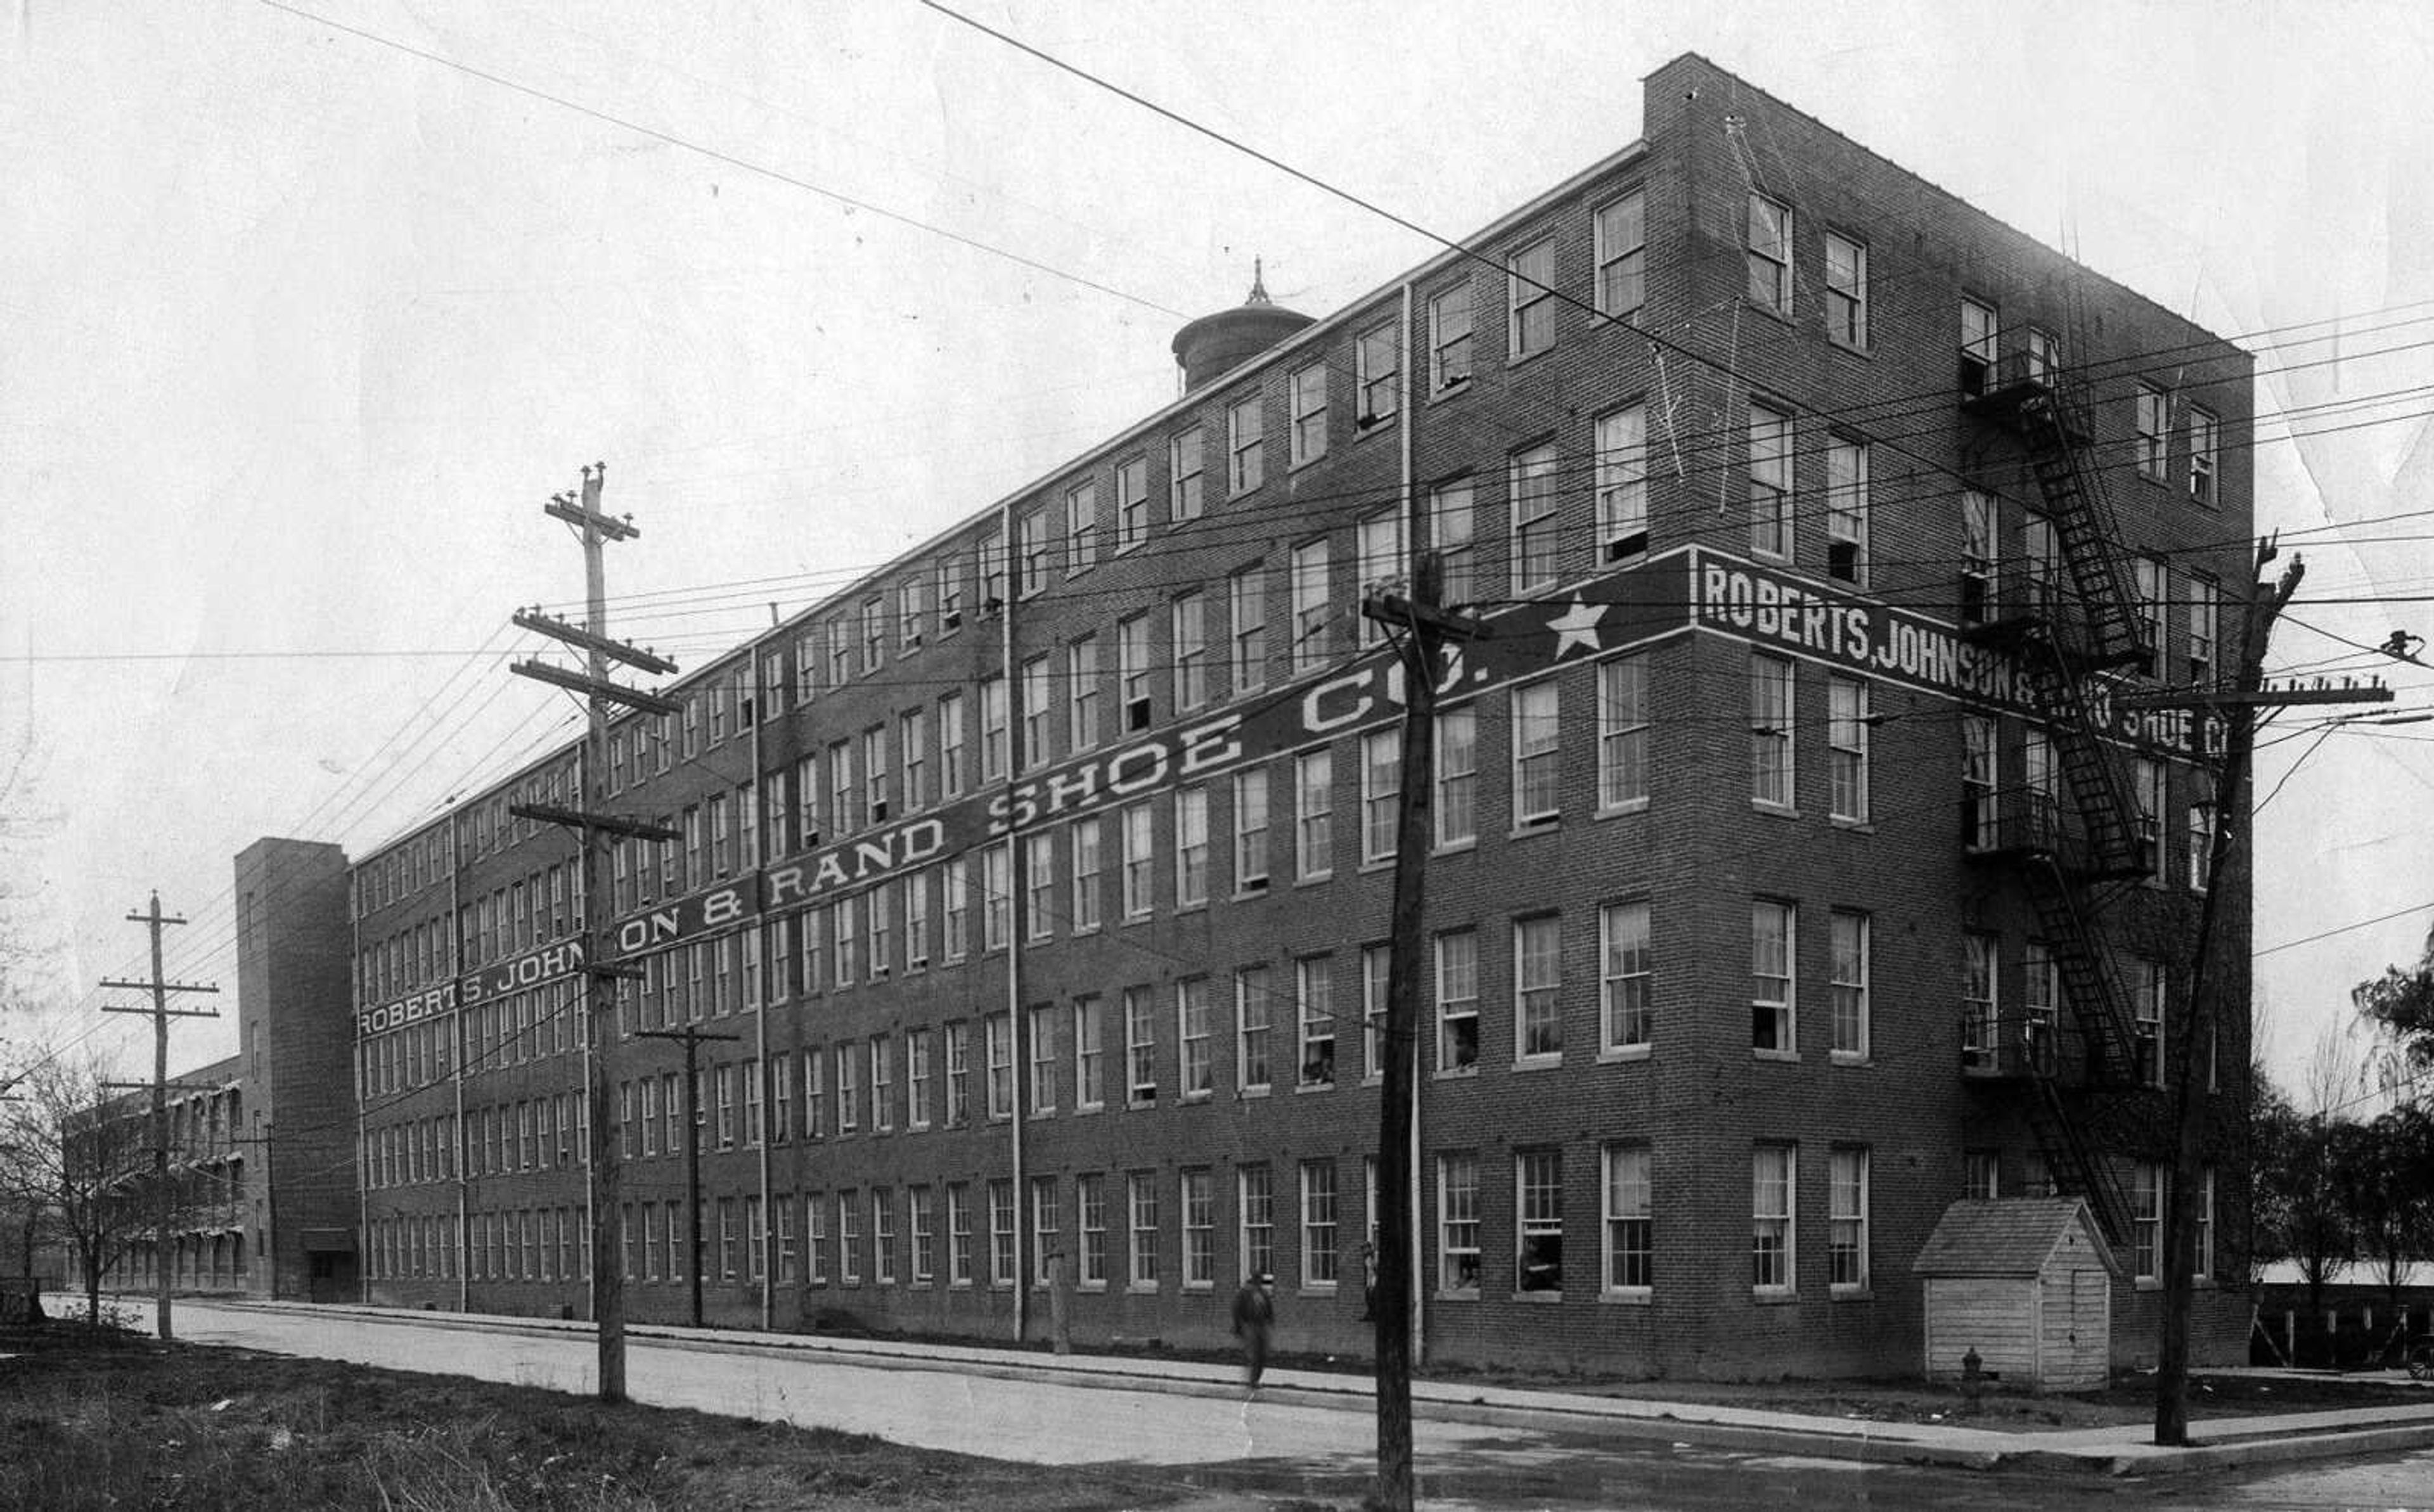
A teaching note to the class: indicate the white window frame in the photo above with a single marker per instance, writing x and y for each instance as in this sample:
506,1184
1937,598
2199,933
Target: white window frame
1530,299
1449,331
1622,484
1245,456
1306,397
1619,234
1768,240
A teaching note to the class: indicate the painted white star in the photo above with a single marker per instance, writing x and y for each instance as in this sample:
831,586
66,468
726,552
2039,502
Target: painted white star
1577,626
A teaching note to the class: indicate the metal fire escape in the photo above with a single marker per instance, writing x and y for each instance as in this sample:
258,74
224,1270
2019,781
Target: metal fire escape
2066,617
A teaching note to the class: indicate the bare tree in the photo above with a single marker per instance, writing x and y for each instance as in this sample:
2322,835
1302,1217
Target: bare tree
84,1159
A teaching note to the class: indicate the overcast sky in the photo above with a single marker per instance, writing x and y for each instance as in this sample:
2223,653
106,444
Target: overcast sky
299,329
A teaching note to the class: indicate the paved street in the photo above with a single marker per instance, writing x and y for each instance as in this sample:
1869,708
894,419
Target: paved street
1247,1455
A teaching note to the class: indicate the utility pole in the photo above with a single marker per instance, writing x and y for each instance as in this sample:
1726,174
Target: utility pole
596,826
2247,695
159,987
1427,628
691,1037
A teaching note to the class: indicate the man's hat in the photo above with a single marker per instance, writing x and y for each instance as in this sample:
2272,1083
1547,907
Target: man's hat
1263,1278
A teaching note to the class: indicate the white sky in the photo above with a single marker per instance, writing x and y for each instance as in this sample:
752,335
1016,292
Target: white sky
298,331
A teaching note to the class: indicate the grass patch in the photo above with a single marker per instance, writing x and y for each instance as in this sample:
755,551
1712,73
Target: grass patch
92,1419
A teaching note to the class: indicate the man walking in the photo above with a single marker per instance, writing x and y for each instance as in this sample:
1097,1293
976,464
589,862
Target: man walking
1255,1317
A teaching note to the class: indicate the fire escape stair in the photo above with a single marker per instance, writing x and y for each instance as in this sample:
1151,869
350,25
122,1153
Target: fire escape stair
2077,1170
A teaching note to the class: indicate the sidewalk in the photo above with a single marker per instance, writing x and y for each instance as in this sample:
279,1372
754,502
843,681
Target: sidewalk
2121,1450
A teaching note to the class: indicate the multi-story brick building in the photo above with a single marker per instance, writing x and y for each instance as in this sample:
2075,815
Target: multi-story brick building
1796,872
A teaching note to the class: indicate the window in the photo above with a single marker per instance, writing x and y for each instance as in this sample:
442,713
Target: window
2146,788
1846,290
955,883
1620,232
1457,1001
1978,325
1132,503
882,1235
1031,534
1314,1011
1140,1048
2206,438
1847,740
1090,1054
1038,698
1247,606
2037,999
1846,511
2202,1260
848,1238
1625,977
1846,1222
1769,254
1090,1211
1318,1223
1001,1222
917,1078
950,745
913,752
1623,731
1536,731
1450,339
1537,988
922,1221
911,612
1087,869
1190,619
1376,372
1630,1222
1141,1204
2147,1013
2204,622
1307,391
993,727
1980,1025
1310,610
1081,528
1313,814
1530,299
959,1235
1458,1224
1374,962
1378,561
1382,773
1255,1189
2153,586
1538,1228
1252,999
1199,1229
1191,846
1978,753
1770,481
1773,928
1622,484
950,594
1133,669
1040,1030
1451,533
1771,719
1139,854
1850,984
848,1096
1245,468
1771,1196
2200,846
1251,831
1457,777
1976,555
1193,1031
874,633
2147,1220
997,1038
1082,694
1981,1175
1182,476
2043,353
2154,433
1534,517
959,1078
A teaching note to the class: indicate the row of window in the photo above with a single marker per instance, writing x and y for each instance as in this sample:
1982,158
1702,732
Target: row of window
540,1133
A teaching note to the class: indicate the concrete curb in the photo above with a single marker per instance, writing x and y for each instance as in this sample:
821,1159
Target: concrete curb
1621,1417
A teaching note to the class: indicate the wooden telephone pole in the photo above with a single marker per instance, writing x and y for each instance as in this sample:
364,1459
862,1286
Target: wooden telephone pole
162,1014
596,826
691,1037
1426,629
2241,701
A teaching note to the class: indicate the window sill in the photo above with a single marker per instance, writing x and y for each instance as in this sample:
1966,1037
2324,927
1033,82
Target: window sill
1253,1094
1632,806
1540,1063
1455,847
1454,1073
1304,464
1201,1096
1089,1285
1543,825
1370,864
1200,1285
1377,427
1788,1057
1140,1289
1249,894
1540,1299
1848,1057
1141,1102
1452,389
1315,878
1519,359
1778,810
1773,1296
1640,1297
1855,826
1860,1293
1089,1108
1466,1295
1859,350
1615,1054
1313,1086
1315,1288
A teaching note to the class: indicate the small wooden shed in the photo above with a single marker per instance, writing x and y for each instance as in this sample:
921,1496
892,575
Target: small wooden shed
2026,1282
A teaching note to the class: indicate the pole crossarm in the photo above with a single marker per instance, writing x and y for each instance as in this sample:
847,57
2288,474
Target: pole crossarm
584,819
631,655
1401,612
541,671
564,507
164,987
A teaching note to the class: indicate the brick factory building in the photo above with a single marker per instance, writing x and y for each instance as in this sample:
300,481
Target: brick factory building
1799,870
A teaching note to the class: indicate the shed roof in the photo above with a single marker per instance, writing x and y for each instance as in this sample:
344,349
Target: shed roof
2008,1236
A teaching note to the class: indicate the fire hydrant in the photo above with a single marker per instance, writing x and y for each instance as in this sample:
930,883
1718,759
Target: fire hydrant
1972,1378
